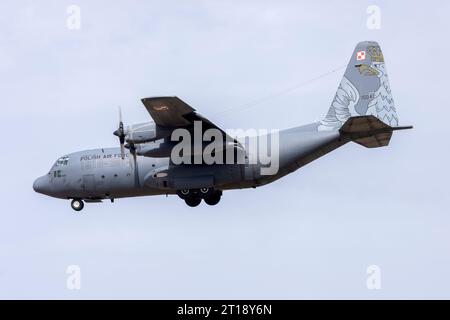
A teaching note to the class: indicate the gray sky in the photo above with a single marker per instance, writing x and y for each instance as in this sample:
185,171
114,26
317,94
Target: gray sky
310,235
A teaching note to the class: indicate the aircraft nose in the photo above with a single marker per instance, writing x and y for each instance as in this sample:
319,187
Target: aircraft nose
42,185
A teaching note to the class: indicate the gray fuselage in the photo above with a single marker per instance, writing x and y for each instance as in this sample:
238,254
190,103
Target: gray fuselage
102,173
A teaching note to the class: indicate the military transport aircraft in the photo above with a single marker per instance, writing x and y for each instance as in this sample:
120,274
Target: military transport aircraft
362,111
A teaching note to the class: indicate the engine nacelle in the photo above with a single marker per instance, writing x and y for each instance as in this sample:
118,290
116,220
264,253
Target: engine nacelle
155,150
145,132
164,148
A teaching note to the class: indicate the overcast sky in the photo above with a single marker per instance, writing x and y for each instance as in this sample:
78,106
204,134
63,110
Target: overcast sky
310,235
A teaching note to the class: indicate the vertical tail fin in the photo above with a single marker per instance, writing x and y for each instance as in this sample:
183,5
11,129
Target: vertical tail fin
364,90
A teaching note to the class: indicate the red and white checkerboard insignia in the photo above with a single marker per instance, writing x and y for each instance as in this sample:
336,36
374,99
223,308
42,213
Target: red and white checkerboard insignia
361,55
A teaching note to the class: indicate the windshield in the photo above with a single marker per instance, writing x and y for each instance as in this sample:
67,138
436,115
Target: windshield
62,161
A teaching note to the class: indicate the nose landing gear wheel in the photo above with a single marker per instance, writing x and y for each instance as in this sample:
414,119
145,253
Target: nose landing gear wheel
193,201
77,204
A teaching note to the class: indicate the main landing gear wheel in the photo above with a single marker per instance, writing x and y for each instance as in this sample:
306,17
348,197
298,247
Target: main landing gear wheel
184,194
77,204
193,201
213,198
205,192
193,197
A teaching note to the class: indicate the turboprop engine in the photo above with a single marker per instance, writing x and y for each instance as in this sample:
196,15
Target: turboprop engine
145,132
138,133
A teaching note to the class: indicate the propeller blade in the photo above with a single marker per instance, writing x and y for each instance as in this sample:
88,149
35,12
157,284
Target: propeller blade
136,170
122,151
120,132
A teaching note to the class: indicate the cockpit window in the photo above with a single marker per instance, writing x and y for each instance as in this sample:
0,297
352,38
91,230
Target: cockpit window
62,161
57,174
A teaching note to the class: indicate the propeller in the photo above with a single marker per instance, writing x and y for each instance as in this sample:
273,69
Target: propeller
120,132
132,147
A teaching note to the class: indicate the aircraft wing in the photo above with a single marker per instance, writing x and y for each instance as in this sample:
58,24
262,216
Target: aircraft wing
168,111
172,112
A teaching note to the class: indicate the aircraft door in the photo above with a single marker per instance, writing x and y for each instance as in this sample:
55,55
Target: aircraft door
88,183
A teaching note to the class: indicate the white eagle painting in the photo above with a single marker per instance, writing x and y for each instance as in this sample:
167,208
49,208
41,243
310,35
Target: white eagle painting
342,107
348,95
382,104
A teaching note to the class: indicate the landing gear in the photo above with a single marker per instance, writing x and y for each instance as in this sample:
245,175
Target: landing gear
193,197
213,198
185,193
206,192
193,201
77,204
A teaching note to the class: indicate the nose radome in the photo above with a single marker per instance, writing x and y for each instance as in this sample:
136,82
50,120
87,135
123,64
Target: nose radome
38,184
41,185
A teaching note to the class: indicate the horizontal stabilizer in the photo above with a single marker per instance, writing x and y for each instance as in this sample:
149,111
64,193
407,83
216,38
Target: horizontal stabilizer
369,131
